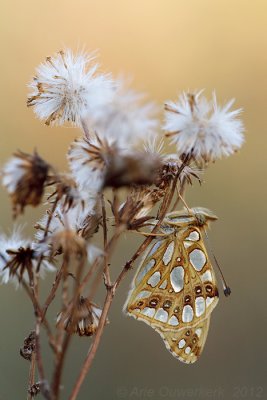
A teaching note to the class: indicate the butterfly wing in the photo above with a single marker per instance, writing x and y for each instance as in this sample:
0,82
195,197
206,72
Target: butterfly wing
175,286
187,344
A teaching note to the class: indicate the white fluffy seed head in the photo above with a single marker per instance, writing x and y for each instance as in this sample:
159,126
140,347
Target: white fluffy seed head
76,218
126,119
12,172
67,87
203,129
87,163
14,242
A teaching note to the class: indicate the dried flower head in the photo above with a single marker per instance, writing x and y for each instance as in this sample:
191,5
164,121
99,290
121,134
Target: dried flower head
132,168
24,177
66,191
19,259
201,129
83,218
68,242
126,119
83,319
66,87
138,204
172,166
88,161
96,164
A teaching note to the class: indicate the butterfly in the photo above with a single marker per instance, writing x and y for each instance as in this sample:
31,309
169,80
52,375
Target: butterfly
175,290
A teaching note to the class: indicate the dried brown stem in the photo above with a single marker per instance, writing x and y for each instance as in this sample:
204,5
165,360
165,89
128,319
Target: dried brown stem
39,361
39,313
106,272
38,358
50,216
31,375
90,357
64,340
108,250
112,289
52,293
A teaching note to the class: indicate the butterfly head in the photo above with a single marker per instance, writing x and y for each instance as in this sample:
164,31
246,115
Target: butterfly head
197,216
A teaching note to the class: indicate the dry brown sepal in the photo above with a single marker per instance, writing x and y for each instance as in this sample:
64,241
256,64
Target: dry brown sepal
21,260
135,168
140,201
65,191
30,188
69,243
170,168
82,319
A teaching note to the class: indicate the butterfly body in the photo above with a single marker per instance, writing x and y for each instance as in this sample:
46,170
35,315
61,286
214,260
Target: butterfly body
175,290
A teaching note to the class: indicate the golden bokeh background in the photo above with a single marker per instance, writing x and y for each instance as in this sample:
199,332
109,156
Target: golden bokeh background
167,46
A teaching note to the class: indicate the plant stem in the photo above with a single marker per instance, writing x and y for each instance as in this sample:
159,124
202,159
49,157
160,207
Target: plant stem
106,272
67,337
91,354
111,292
31,375
52,293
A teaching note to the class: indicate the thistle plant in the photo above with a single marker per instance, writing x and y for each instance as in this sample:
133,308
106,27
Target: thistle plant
126,174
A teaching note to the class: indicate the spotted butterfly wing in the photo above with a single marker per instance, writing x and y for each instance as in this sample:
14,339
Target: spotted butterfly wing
175,286
187,344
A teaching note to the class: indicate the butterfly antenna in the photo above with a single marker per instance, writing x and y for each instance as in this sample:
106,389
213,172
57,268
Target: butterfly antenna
185,204
226,288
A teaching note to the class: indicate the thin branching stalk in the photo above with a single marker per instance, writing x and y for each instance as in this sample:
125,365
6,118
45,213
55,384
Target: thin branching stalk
111,293
31,376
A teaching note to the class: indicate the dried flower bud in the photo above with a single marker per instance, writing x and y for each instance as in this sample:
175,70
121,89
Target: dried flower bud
83,319
28,346
66,192
68,242
138,204
83,218
21,260
171,166
24,177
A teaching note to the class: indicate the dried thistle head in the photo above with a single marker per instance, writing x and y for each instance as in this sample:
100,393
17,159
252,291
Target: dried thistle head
201,129
19,259
171,167
140,201
67,87
82,319
97,163
89,159
132,168
66,191
24,177
83,218
69,243
126,119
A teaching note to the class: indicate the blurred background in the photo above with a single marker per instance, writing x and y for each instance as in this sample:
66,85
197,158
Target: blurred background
166,46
